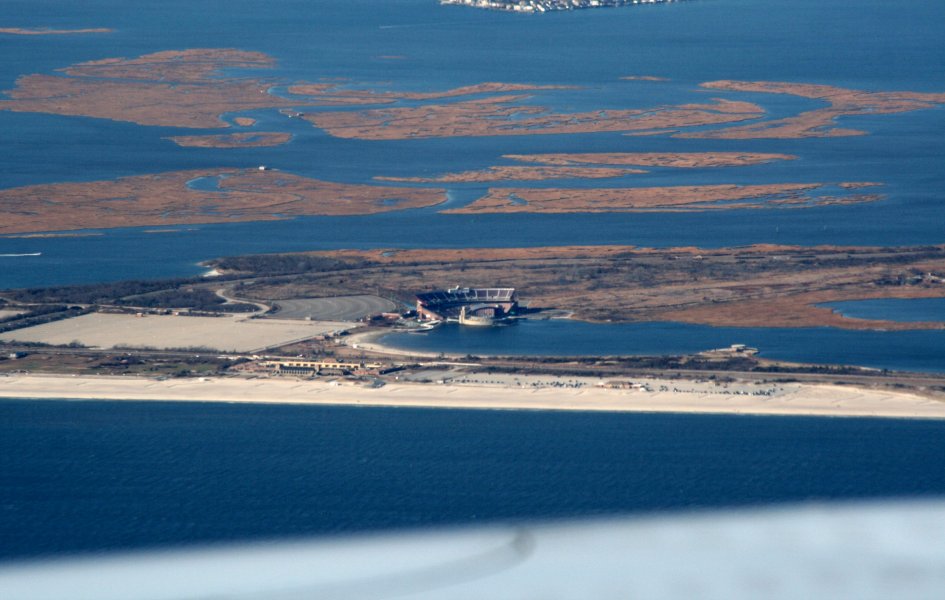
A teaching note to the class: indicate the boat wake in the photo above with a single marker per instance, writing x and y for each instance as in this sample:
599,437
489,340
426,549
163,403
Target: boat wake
16,255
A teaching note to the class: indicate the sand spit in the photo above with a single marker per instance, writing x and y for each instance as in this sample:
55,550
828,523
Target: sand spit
676,396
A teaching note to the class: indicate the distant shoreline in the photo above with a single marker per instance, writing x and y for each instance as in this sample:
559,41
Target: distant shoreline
540,6
50,31
662,396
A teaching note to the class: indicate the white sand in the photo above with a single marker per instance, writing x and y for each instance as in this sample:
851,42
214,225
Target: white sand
793,399
368,340
231,334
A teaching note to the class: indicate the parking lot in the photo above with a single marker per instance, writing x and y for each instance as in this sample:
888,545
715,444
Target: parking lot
338,308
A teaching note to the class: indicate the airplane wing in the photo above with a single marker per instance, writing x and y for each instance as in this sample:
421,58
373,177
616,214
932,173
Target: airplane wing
881,551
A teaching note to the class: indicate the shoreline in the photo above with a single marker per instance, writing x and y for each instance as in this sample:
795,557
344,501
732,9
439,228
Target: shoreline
369,341
662,396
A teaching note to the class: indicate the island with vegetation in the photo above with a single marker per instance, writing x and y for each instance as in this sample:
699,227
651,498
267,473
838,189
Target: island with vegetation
196,196
213,88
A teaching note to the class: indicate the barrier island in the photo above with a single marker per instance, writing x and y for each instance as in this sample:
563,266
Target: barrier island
327,362
754,286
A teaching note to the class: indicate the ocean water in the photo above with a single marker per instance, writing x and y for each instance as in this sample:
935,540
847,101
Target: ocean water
91,476
88,476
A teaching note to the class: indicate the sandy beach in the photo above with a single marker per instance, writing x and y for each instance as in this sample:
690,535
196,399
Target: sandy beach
370,341
651,395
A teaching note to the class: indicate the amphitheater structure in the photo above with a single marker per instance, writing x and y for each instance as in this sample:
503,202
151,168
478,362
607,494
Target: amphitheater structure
468,306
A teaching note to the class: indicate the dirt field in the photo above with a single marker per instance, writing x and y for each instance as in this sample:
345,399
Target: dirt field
233,334
338,308
5,314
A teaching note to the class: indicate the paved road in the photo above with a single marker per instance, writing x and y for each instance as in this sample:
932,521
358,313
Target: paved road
261,308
